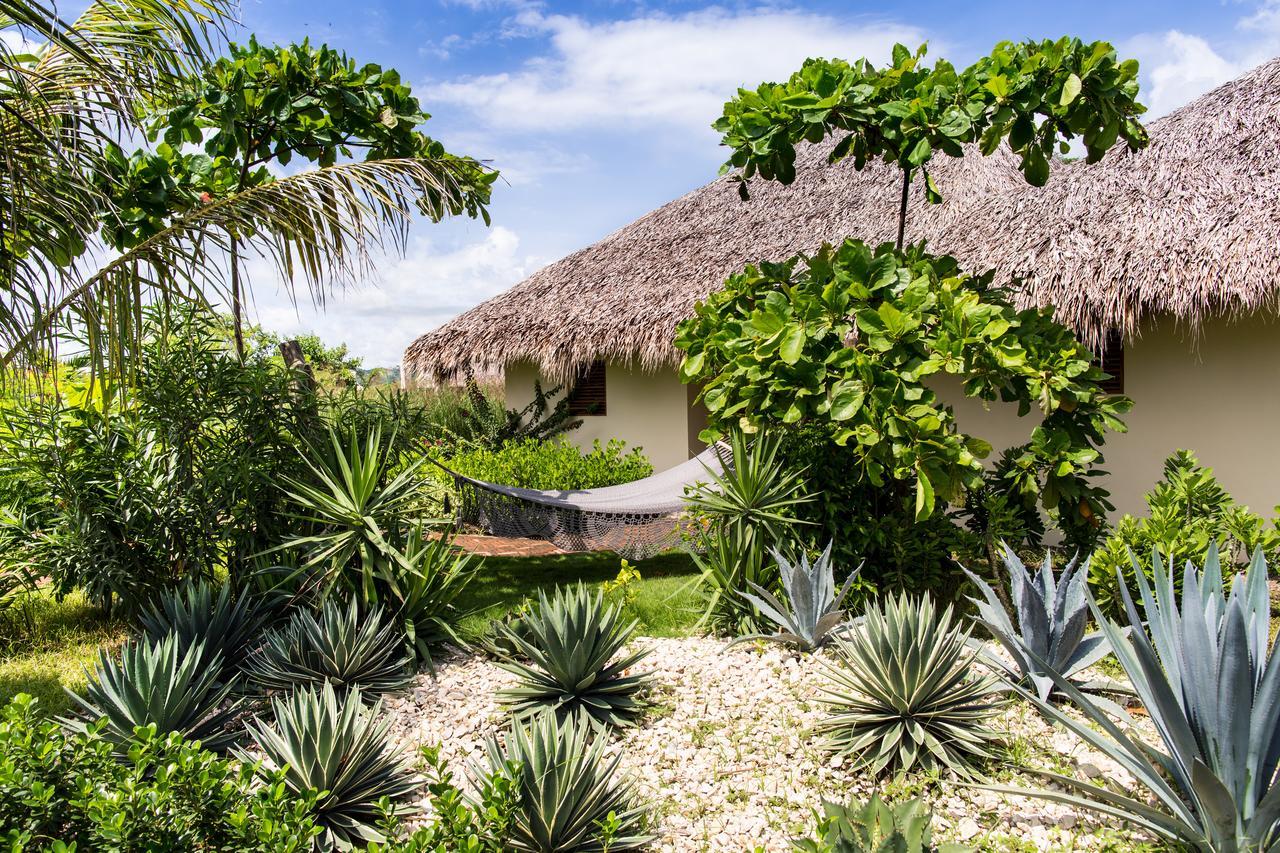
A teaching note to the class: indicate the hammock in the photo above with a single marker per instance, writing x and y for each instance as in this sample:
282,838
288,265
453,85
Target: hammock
637,519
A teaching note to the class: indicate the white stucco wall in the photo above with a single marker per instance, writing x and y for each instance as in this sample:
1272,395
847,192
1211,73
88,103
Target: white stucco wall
1218,395
645,409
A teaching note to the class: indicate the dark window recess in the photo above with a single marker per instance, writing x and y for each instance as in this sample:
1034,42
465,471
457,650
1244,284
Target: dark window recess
1112,362
588,394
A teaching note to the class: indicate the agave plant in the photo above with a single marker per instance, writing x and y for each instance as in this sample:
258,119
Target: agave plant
1052,614
567,789
873,827
814,613
1210,680
422,589
334,744
357,510
198,613
570,661
160,683
346,647
901,694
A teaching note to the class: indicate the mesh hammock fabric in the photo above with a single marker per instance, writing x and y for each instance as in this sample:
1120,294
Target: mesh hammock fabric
637,519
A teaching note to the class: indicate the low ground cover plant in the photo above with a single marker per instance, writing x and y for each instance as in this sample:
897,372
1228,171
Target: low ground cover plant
74,787
874,826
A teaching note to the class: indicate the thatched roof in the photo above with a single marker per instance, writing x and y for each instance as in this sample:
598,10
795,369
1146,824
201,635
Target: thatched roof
1190,227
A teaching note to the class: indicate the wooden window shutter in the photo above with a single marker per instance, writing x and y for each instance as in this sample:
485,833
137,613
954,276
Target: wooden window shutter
588,394
1112,362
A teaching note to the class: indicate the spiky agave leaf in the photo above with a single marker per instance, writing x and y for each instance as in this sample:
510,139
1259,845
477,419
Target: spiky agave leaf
1052,614
422,590
158,682
901,695
569,660
566,788
873,827
815,607
346,647
1209,678
198,612
331,743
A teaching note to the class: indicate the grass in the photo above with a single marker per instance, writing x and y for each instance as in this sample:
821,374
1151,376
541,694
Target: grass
666,602
45,644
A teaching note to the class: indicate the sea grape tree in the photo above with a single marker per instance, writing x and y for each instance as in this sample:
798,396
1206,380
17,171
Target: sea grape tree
853,338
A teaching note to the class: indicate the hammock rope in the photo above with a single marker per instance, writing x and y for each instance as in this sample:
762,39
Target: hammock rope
637,519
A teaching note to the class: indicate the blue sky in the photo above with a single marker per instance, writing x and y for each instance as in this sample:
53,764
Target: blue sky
597,112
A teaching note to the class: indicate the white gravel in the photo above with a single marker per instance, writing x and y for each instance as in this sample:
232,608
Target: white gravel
727,763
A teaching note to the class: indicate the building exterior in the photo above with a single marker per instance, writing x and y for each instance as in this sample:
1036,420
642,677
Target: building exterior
1165,260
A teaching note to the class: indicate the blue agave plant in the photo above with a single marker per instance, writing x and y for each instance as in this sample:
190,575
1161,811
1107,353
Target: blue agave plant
812,613
1209,677
1052,613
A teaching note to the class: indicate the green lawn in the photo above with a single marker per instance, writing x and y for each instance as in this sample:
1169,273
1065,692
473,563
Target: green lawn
45,645
667,603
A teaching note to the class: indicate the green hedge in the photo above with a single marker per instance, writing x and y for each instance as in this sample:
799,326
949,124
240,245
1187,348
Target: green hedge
59,788
534,464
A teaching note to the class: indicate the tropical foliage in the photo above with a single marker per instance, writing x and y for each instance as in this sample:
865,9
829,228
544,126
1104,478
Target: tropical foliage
1052,614
323,742
568,658
558,464
812,613
1188,512
1208,675
63,789
901,695
199,614
568,792
124,69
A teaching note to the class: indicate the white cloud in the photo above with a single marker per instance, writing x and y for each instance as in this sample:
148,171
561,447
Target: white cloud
1178,67
412,295
674,70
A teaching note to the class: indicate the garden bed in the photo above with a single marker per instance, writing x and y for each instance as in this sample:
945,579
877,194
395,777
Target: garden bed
726,760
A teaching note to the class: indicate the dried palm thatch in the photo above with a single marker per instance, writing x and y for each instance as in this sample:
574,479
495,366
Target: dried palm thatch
1187,227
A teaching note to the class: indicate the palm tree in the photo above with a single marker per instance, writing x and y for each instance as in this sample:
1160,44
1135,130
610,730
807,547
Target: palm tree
88,86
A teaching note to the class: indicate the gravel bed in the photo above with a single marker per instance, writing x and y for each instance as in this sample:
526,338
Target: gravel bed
726,761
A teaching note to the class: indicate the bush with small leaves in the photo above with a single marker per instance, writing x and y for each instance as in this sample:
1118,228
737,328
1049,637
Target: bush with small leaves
570,660
344,647
165,794
334,744
901,695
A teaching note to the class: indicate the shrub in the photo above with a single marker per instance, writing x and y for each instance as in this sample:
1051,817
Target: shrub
1188,511
157,683
812,612
347,648
567,792
569,660
1209,677
873,827
181,480
558,465
166,794
901,695
323,742
739,515
198,613
1052,614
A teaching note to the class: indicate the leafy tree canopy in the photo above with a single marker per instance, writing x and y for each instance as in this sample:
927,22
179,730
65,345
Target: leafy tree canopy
1035,95
269,104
